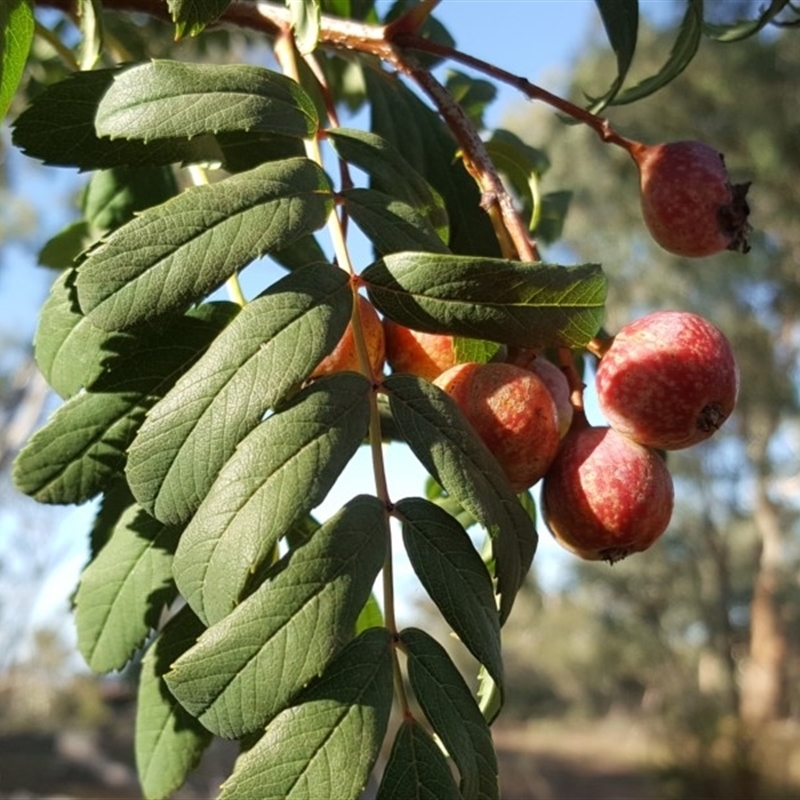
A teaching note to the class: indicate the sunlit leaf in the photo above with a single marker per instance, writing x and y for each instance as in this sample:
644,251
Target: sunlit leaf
278,473
16,36
305,17
325,745
274,344
251,664
525,304
174,254
192,16
168,99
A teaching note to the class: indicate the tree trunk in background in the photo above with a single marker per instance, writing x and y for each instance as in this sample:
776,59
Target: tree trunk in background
763,690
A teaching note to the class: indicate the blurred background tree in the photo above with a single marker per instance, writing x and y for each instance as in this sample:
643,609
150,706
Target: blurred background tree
702,633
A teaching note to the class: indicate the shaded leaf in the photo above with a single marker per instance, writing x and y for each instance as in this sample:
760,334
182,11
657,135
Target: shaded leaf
16,36
418,133
69,350
621,22
681,54
124,589
390,224
416,768
455,578
58,128
741,29
114,196
63,249
278,473
83,445
448,447
524,304
250,665
169,99
391,174
452,711
325,745
177,252
168,740
274,344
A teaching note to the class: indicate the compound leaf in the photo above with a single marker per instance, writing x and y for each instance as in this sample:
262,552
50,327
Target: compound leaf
249,666
175,253
279,472
273,345
529,305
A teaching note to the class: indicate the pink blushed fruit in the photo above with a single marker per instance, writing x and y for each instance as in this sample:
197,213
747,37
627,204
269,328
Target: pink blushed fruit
689,205
344,357
669,380
555,380
513,412
605,496
426,355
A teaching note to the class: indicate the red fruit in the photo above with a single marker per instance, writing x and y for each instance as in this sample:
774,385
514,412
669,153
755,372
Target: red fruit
424,354
555,380
606,496
512,411
344,357
688,202
669,380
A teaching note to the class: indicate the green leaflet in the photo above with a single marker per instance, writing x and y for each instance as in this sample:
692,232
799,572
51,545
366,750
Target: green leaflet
83,445
391,174
250,665
529,305
420,136
69,350
175,253
274,344
305,16
621,21
171,99
416,767
448,447
168,740
455,578
16,36
452,711
192,16
390,224
279,472
325,745
58,128
124,589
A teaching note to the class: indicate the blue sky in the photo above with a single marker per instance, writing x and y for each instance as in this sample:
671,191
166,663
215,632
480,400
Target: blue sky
534,38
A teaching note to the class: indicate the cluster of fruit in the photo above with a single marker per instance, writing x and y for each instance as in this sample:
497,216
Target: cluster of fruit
665,382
